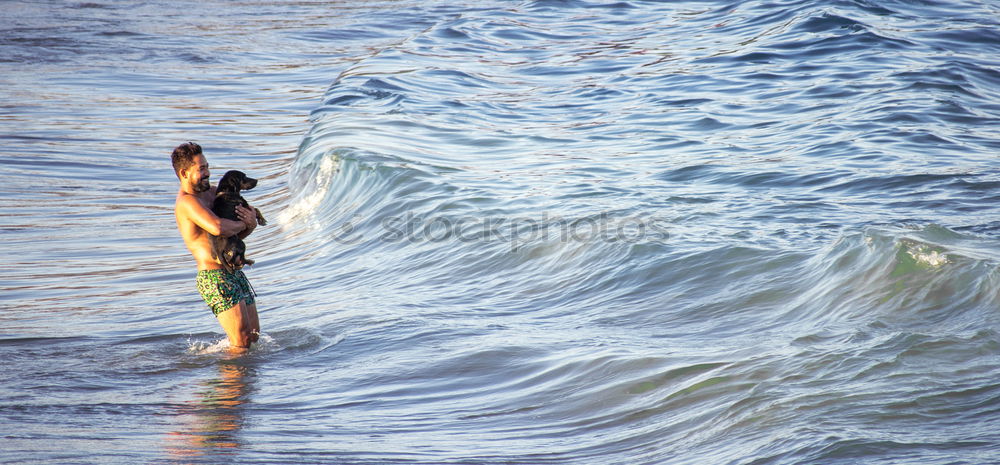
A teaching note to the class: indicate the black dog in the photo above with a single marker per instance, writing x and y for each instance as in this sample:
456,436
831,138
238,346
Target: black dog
230,251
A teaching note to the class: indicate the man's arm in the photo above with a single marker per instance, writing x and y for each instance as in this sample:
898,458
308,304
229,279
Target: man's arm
207,220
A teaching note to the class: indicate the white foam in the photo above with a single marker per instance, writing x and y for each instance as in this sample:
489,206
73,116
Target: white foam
266,343
929,257
932,258
305,205
207,348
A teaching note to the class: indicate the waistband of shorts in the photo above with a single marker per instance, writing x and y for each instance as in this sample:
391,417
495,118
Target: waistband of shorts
219,272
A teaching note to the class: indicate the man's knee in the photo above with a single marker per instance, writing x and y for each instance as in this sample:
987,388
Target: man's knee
248,333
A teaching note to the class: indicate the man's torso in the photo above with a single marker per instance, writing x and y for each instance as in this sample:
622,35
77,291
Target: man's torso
196,238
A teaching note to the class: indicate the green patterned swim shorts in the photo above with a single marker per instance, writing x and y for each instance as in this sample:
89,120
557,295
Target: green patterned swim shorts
221,289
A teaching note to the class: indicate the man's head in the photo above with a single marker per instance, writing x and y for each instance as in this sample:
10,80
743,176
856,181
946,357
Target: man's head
190,166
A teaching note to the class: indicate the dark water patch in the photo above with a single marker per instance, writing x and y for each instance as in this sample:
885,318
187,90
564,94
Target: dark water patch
119,34
827,22
344,34
985,40
903,185
92,5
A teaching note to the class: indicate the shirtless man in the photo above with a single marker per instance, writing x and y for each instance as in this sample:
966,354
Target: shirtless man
229,295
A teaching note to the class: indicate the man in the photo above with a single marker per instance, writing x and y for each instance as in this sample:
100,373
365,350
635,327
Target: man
229,295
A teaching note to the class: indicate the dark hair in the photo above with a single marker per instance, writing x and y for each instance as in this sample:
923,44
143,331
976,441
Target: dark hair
183,156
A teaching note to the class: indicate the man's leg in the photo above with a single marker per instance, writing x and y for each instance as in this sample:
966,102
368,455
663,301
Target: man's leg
254,322
251,308
238,323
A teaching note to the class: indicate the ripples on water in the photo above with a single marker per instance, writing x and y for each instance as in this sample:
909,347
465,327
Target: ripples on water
528,232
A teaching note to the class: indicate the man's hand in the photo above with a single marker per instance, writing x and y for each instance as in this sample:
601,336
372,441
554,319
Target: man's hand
248,217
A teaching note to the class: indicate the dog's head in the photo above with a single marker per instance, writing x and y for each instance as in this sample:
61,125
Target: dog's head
235,181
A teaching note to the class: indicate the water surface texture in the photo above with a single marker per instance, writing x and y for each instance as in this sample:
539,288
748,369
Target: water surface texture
555,231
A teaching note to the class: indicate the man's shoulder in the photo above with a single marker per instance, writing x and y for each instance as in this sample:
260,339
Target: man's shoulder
204,198
184,199
186,203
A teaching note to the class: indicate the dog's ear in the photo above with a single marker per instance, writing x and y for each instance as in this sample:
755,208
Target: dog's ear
226,182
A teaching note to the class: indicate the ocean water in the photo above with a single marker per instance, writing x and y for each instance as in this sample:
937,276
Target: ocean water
526,232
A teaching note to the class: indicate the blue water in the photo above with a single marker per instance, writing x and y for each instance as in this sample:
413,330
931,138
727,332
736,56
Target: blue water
534,232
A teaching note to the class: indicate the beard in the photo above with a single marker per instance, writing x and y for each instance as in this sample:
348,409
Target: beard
202,185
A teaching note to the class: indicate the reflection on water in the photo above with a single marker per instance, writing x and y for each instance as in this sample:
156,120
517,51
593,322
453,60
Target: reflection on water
211,422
